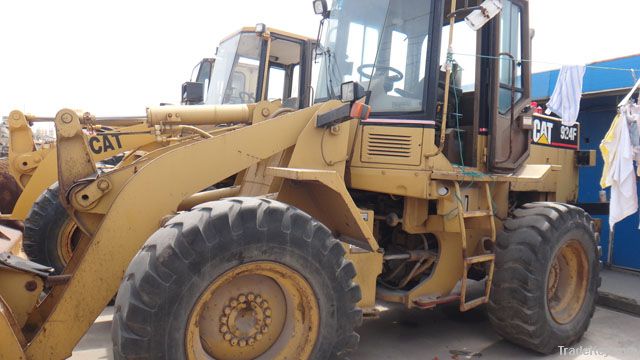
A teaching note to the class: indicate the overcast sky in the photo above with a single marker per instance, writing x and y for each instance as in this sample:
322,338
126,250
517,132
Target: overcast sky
116,57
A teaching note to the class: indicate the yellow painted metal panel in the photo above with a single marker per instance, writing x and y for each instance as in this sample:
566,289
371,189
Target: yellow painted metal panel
391,145
10,336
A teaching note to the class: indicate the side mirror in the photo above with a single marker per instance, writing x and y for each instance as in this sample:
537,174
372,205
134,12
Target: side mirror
320,7
192,93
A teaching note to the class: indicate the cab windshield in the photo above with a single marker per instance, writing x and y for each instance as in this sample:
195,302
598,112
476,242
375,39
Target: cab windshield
383,46
235,75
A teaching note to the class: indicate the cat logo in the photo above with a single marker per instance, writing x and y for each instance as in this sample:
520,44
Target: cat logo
542,131
102,143
543,139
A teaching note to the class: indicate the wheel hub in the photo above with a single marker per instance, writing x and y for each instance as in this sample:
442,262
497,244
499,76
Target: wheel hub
567,282
261,310
245,319
68,239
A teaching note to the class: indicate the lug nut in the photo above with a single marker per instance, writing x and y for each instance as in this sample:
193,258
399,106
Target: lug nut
258,336
227,336
242,343
234,303
267,320
224,329
251,341
242,298
267,311
251,297
227,310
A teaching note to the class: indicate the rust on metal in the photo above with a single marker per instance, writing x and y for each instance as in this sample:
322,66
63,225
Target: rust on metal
55,280
433,302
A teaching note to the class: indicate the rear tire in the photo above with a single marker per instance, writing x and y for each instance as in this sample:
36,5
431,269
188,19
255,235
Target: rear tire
50,235
176,270
535,302
9,189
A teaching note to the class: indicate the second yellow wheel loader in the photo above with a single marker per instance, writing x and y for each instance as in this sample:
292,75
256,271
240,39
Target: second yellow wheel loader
50,235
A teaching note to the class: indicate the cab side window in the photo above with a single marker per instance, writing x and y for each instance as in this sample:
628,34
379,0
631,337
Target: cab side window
510,56
283,78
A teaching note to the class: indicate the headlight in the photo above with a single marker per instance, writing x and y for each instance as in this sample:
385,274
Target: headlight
261,28
320,8
348,91
351,91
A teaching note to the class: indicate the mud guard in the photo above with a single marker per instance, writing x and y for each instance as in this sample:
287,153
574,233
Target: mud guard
315,191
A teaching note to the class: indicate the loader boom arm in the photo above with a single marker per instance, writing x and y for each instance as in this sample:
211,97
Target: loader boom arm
139,196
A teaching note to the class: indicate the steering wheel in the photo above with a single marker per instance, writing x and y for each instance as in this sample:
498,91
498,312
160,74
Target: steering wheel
246,98
394,78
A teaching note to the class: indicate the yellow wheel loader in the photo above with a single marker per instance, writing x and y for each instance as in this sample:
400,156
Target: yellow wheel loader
359,197
50,236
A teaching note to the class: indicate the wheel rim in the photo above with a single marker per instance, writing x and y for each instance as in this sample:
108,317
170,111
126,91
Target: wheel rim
68,238
567,282
256,310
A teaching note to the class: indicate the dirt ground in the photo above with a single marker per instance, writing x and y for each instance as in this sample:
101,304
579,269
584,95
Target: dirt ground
440,334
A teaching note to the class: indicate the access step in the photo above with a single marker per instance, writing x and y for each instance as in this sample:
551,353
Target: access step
477,213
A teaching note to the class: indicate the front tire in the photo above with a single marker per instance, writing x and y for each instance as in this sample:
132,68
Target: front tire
546,277
241,278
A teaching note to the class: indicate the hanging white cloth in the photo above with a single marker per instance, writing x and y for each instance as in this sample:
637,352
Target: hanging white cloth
618,171
633,120
565,100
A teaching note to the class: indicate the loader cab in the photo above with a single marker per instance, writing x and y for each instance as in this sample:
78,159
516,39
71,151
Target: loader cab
398,51
258,64
194,90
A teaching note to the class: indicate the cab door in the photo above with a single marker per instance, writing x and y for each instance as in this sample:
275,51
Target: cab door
510,87
288,71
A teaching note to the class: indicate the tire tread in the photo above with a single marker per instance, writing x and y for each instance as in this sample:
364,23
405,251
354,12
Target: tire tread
514,305
178,251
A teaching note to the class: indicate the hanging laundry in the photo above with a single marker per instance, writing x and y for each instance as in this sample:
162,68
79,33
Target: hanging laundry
631,108
565,100
633,116
618,170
